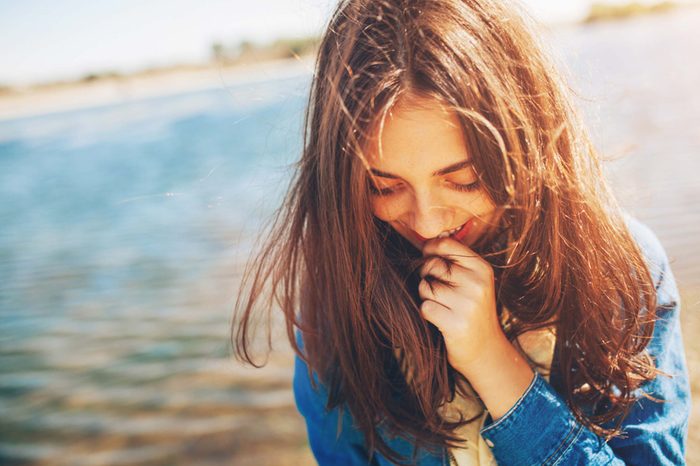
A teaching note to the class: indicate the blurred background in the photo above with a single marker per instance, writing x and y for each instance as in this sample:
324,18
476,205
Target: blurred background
143,145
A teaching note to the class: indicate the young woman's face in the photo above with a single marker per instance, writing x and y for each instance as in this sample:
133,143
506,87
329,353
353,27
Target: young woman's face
423,183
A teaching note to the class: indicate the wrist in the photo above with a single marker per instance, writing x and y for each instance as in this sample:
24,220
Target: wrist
491,358
500,376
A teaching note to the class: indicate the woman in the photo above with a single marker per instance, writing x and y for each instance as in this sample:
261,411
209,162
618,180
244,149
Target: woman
464,286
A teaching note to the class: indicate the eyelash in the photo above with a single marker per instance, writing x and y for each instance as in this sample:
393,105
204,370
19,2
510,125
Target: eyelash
457,186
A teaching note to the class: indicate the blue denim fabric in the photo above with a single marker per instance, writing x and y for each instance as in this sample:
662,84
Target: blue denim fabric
540,429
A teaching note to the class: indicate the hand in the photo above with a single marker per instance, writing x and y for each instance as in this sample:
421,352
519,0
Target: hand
461,303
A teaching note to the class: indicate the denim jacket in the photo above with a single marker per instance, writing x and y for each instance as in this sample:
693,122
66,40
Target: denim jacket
540,429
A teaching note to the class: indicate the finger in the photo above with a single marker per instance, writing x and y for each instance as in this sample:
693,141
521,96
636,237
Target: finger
435,313
438,290
456,252
438,267
426,289
449,294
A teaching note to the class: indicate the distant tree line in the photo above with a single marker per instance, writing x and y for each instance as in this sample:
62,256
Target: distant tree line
606,11
247,51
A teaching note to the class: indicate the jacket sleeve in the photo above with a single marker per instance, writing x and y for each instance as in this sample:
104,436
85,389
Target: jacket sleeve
329,444
541,429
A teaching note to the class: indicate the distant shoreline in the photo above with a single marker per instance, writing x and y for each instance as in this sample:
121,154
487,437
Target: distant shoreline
50,98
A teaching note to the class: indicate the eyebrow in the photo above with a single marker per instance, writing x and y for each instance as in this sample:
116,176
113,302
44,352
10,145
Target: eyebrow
443,171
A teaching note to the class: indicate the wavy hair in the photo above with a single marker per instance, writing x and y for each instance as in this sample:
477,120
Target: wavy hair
562,253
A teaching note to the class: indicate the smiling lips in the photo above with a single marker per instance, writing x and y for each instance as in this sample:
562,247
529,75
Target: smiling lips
458,235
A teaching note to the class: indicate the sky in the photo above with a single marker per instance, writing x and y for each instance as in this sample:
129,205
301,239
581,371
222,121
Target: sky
44,40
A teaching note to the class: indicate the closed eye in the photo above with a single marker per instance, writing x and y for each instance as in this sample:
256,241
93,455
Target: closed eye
384,191
465,186
462,187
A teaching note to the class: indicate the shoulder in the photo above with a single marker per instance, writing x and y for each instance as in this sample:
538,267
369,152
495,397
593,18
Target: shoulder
667,331
306,380
654,253
310,395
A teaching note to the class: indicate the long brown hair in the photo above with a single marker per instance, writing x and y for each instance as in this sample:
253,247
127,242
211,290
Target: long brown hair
562,253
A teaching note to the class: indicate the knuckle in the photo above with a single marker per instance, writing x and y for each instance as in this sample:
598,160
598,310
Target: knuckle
441,266
432,262
482,271
442,246
432,266
423,287
484,266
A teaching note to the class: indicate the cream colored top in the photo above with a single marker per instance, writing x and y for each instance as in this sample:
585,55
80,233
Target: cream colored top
538,345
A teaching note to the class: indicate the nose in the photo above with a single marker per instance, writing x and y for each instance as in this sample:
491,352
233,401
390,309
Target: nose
429,217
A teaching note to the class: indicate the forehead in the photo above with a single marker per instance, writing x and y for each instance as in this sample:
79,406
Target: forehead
417,135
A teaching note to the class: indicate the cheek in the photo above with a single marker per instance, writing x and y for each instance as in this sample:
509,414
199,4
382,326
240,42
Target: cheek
385,210
488,211
479,204
485,202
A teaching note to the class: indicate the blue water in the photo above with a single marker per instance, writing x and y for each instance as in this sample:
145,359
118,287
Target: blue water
138,196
